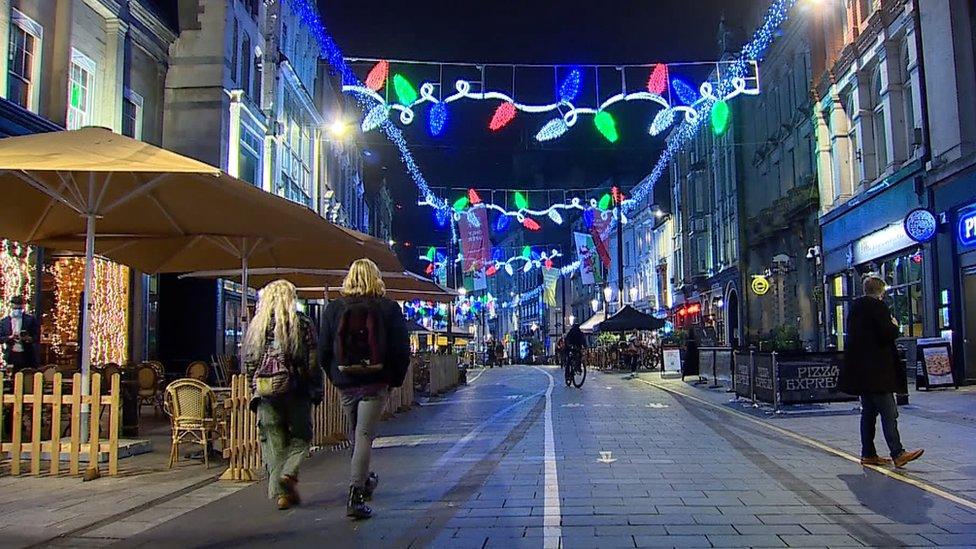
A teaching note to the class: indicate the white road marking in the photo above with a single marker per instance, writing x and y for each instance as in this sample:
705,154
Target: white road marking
606,457
552,514
475,378
656,405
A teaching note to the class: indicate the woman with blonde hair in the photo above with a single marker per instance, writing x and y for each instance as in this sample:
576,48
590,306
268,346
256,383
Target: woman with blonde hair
365,351
281,360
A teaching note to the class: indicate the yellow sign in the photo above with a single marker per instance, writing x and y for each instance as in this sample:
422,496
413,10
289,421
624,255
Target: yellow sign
760,284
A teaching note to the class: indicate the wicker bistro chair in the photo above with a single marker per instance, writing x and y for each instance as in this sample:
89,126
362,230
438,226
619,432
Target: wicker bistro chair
198,370
149,387
190,404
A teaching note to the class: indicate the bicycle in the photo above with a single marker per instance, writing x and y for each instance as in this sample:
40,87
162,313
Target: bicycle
575,369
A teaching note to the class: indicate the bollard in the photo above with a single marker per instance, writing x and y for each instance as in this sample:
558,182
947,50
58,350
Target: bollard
715,384
775,385
752,377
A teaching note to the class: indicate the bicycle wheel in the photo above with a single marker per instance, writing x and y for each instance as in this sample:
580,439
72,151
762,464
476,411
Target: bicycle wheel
579,376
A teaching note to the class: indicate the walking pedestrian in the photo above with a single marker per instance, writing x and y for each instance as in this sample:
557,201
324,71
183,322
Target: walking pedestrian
366,351
281,360
871,370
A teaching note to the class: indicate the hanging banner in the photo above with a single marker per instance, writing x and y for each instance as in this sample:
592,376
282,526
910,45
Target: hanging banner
475,243
600,231
589,262
550,277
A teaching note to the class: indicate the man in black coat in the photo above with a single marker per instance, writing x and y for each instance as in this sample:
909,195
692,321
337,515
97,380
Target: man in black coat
872,369
19,333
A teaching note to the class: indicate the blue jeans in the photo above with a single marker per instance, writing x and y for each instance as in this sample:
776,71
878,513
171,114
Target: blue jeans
872,406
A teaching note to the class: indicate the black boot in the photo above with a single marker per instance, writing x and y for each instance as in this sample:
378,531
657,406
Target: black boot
356,507
371,483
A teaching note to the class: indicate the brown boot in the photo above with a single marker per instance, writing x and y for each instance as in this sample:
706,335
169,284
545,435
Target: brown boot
876,460
284,503
905,457
290,486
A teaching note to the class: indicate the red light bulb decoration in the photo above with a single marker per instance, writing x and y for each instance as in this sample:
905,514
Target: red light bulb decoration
377,76
430,268
548,264
658,82
531,224
503,115
491,270
473,196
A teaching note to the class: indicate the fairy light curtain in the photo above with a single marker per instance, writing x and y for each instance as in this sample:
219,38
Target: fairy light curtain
17,263
110,309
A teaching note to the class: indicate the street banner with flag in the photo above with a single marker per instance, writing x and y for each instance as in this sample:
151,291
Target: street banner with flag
475,281
600,231
589,263
475,241
550,276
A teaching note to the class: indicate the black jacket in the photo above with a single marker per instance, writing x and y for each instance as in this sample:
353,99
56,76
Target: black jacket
871,362
28,324
397,358
575,338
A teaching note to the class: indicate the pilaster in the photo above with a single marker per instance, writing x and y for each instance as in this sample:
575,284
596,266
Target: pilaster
112,96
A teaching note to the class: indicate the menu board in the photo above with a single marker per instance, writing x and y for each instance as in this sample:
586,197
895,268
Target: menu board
935,357
672,361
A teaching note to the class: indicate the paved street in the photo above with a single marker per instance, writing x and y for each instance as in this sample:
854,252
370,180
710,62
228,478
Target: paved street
515,460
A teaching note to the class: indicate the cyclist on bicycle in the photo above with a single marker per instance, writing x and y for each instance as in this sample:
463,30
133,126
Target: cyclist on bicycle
575,343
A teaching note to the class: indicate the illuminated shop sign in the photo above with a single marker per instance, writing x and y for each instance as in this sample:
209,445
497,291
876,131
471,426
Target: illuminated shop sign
967,228
920,225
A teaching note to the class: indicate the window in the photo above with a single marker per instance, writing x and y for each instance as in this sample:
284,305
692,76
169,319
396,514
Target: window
233,52
246,64
132,115
23,66
81,87
256,95
855,153
878,123
908,100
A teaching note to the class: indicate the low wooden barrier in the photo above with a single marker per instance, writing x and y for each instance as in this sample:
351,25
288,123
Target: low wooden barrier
53,414
443,373
242,448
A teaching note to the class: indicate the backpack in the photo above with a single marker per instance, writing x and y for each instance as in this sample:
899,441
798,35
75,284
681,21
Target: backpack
360,339
272,378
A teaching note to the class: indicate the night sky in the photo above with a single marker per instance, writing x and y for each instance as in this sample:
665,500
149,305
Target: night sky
527,31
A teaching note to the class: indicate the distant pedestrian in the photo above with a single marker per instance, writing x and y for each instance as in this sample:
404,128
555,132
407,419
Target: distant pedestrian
19,333
281,360
871,370
366,351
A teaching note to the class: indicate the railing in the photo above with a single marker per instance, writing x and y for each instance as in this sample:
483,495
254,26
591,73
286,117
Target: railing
242,447
54,414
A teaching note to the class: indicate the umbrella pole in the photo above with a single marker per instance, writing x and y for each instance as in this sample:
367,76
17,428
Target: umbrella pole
86,324
245,313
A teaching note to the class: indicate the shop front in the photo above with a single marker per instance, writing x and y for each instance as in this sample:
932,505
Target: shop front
955,306
870,237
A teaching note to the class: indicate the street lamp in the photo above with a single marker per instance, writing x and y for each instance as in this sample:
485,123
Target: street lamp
338,128
462,291
595,303
572,320
633,294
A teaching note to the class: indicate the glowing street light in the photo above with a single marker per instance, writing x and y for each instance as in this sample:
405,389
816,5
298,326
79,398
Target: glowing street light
338,128
595,304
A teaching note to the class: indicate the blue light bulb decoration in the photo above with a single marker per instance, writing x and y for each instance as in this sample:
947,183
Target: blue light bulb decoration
502,224
437,119
588,218
570,88
496,253
440,215
685,93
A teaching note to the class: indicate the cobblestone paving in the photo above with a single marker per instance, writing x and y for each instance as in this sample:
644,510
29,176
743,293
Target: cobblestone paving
629,465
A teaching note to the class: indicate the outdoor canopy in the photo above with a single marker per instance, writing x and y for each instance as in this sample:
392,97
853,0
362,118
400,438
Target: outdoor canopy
155,210
630,319
312,283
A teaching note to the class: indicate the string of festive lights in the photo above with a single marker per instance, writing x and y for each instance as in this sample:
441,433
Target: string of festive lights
16,275
749,55
537,291
409,100
109,307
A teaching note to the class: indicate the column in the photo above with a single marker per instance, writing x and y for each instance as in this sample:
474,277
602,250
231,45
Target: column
111,96
4,44
56,77
234,134
317,171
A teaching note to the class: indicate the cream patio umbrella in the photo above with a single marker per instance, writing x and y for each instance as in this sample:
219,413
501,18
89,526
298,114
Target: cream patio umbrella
313,283
149,208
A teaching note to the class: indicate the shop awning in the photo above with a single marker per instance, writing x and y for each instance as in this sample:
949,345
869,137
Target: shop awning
630,319
591,323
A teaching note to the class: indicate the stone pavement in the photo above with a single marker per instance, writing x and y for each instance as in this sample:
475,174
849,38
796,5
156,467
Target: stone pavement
518,460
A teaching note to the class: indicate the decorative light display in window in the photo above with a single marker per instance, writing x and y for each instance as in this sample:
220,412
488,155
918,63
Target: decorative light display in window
109,307
678,98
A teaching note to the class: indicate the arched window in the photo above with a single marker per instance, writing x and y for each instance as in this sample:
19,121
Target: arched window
908,99
878,123
246,64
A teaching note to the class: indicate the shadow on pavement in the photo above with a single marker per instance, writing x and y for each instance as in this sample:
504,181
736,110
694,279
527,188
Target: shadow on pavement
899,502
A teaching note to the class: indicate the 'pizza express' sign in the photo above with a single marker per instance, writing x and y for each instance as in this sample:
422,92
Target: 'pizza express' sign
967,227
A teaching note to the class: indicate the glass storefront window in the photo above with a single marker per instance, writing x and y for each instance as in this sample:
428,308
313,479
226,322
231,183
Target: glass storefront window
903,274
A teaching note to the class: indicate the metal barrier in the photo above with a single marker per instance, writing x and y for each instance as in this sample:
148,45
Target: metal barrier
719,361
330,426
780,379
53,413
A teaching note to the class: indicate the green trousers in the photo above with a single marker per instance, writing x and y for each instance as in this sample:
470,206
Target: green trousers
285,432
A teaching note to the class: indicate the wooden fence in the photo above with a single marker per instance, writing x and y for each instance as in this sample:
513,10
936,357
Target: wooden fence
443,373
329,424
53,423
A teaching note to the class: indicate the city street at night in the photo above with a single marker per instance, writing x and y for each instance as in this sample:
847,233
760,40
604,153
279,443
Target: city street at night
547,274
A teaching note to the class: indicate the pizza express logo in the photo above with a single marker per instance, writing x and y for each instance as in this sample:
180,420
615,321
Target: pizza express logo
920,225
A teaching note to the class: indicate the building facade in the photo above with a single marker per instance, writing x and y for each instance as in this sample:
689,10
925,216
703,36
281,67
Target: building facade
871,158
779,195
